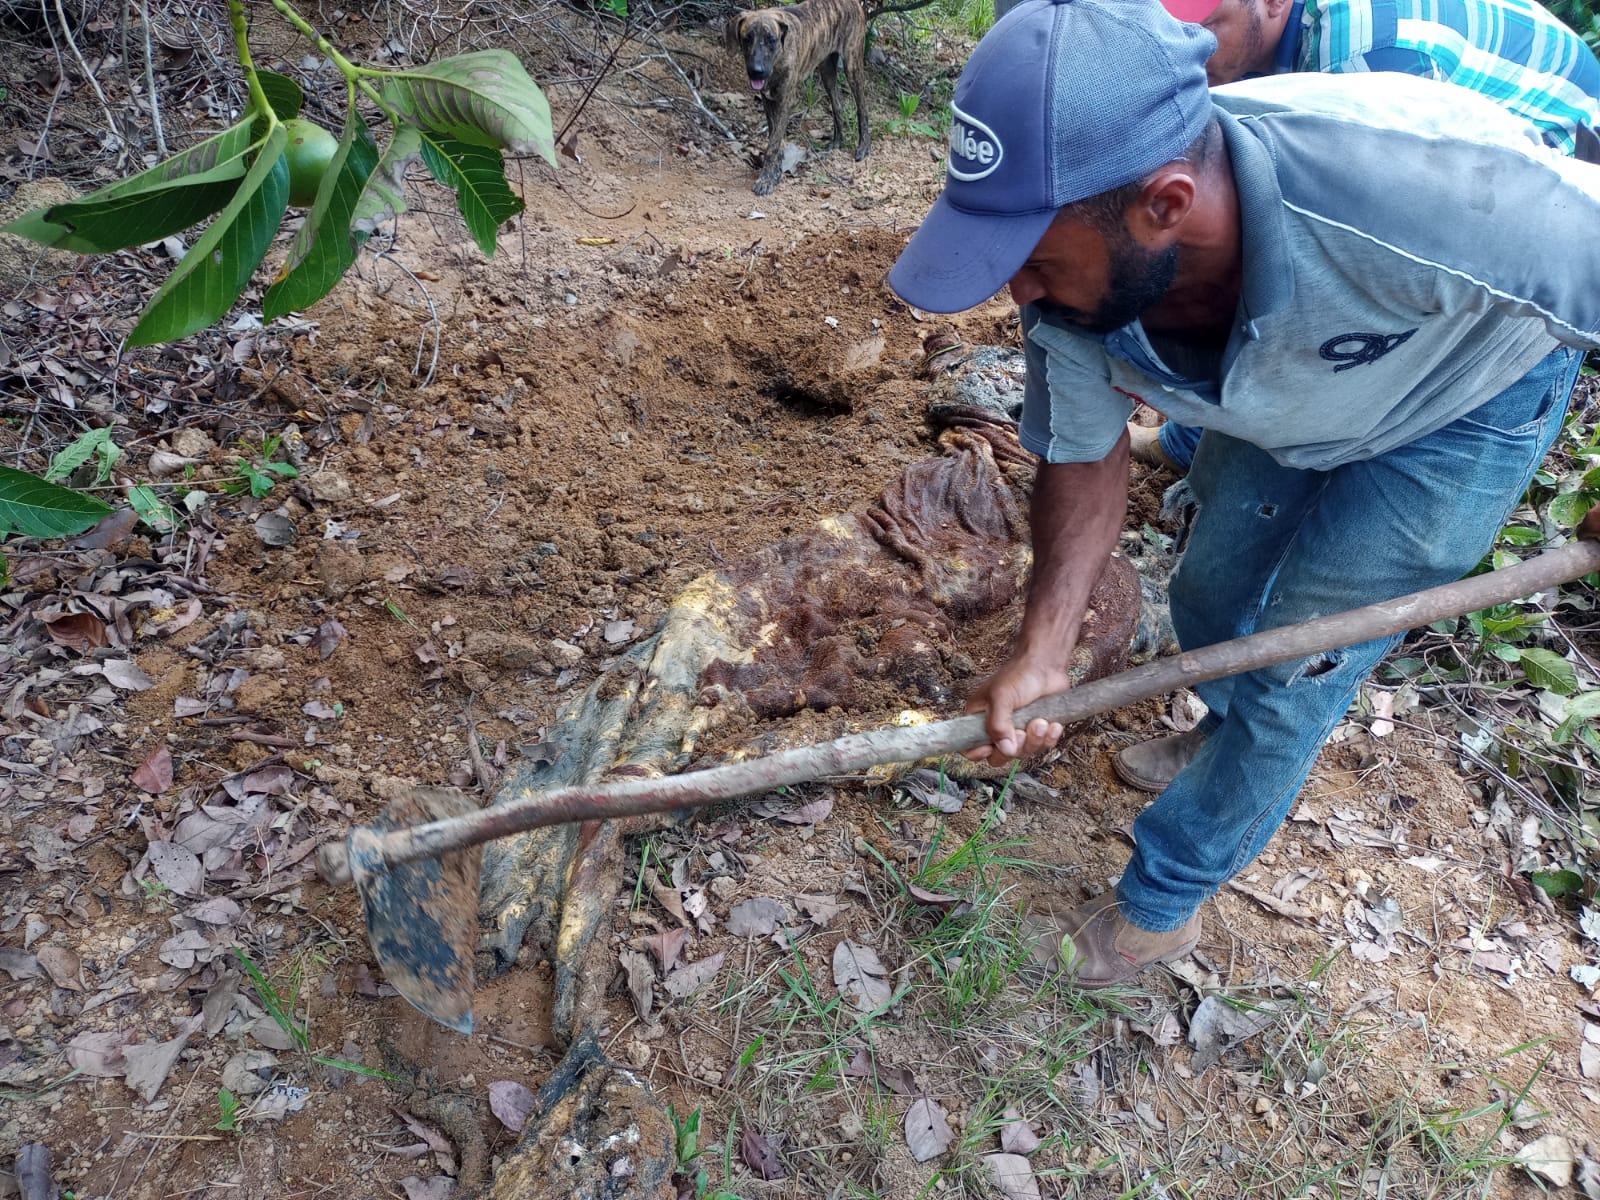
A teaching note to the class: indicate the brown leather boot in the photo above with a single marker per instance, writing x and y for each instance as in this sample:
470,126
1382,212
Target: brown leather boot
1144,445
1150,766
1099,948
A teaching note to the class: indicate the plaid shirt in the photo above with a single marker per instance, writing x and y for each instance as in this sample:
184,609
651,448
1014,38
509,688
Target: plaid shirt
1511,51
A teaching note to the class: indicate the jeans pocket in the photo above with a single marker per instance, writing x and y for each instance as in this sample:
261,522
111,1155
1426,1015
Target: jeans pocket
1523,408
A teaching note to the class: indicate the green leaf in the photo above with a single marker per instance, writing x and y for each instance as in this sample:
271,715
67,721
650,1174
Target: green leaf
35,507
182,185
327,244
283,94
152,510
1569,508
228,1107
1557,884
1521,535
215,271
485,98
385,193
1547,669
344,1064
1580,711
272,1002
478,176
144,217
84,447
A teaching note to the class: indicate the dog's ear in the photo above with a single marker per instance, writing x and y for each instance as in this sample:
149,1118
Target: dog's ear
734,30
783,21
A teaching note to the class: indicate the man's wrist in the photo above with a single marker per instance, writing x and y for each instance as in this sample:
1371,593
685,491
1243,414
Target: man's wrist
1049,644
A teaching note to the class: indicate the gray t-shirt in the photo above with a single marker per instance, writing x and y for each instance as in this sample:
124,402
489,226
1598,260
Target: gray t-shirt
1410,250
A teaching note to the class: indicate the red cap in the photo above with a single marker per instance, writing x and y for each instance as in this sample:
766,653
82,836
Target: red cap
1193,11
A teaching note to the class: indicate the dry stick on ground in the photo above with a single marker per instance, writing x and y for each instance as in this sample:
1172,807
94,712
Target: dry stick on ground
150,78
694,93
72,44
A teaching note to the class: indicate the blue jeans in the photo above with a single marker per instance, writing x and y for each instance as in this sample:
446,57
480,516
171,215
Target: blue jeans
1272,546
1178,443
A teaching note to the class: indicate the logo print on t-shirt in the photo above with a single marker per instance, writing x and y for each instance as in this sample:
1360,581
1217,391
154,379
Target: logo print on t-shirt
1359,349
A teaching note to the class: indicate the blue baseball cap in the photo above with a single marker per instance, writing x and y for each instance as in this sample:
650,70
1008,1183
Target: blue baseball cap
1061,100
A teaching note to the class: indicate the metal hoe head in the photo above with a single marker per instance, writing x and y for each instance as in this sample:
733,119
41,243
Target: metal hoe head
422,917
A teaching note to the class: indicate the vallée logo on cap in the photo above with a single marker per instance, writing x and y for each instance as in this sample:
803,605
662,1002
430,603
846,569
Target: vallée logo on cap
975,149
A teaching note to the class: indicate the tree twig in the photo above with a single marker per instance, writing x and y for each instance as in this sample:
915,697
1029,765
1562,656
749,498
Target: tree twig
72,44
694,93
150,78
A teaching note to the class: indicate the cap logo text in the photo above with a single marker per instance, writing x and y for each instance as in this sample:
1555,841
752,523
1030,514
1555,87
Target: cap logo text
975,151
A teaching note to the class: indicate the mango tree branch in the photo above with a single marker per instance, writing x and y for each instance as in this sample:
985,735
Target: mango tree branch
241,46
353,74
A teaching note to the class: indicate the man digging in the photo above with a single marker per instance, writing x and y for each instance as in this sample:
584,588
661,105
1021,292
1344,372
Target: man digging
1368,289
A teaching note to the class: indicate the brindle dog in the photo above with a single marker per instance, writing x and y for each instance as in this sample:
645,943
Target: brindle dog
781,47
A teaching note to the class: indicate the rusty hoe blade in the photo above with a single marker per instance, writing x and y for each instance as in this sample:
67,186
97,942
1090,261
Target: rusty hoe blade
422,917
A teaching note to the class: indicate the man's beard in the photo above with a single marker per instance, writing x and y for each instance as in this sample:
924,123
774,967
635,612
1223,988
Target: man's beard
1139,280
1255,38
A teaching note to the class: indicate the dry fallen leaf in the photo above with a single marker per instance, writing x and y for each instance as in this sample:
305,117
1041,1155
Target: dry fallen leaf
861,975
98,1053
439,1187
641,981
82,632
177,867
35,1178
511,1103
940,900
1589,1052
760,1154
63,967
757,917
819,910
126,674
666,946
330,636
927,1130
808,814
690,979
1016,1135
1013,1175
1217,1025
155,773
150,1064
1549,1158
249,1072
19,964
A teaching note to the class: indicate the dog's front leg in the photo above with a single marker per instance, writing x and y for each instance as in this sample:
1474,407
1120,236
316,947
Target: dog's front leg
778,111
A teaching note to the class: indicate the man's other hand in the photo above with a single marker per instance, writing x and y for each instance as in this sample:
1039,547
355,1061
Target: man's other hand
1018,682
1590,528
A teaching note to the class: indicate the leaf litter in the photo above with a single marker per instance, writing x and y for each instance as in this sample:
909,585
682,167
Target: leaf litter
861,975
927,1130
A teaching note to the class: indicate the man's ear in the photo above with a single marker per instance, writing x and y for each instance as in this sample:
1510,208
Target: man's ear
1275,8
1164,203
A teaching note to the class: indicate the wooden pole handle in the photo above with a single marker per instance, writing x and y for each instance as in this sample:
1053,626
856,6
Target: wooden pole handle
529,809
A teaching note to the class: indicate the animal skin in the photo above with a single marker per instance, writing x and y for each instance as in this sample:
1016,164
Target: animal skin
782,48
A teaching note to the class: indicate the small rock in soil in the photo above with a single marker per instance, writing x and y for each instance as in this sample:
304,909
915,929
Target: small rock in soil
564,653
257,694
275,529
192,443
339,568
329,487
